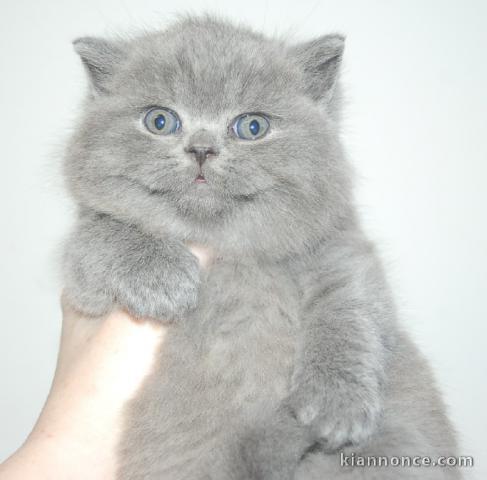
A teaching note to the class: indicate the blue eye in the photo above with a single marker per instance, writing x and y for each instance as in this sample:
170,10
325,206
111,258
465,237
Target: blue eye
162,121
250,126
254,127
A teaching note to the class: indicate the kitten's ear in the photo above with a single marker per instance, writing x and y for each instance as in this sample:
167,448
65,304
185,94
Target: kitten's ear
100,58
320,60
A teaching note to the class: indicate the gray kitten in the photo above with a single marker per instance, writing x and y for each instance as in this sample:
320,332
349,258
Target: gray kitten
284,353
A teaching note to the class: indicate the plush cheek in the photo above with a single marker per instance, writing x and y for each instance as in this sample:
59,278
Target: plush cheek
286,163
153,160
243,169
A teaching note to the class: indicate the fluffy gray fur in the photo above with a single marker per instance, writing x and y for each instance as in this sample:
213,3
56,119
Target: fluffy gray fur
286,350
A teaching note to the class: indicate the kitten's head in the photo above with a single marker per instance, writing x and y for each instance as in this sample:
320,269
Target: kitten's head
214,133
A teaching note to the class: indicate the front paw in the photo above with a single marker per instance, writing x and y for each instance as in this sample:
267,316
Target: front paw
160,283
337,416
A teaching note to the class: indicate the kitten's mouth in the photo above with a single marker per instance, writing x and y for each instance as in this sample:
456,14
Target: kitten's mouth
200,179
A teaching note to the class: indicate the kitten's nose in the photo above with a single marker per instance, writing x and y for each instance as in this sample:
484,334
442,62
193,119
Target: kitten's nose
201,153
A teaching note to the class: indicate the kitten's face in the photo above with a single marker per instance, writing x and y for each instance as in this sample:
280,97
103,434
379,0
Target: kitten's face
167,142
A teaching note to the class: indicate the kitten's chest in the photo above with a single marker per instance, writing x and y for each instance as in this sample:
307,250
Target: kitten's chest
241,338
247,329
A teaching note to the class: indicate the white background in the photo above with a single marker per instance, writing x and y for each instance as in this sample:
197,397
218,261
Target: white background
415,125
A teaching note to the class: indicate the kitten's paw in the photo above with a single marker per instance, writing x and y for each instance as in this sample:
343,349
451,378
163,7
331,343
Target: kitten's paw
160,283
85,285
345,416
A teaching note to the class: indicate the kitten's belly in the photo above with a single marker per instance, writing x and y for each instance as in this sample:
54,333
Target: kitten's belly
219,373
